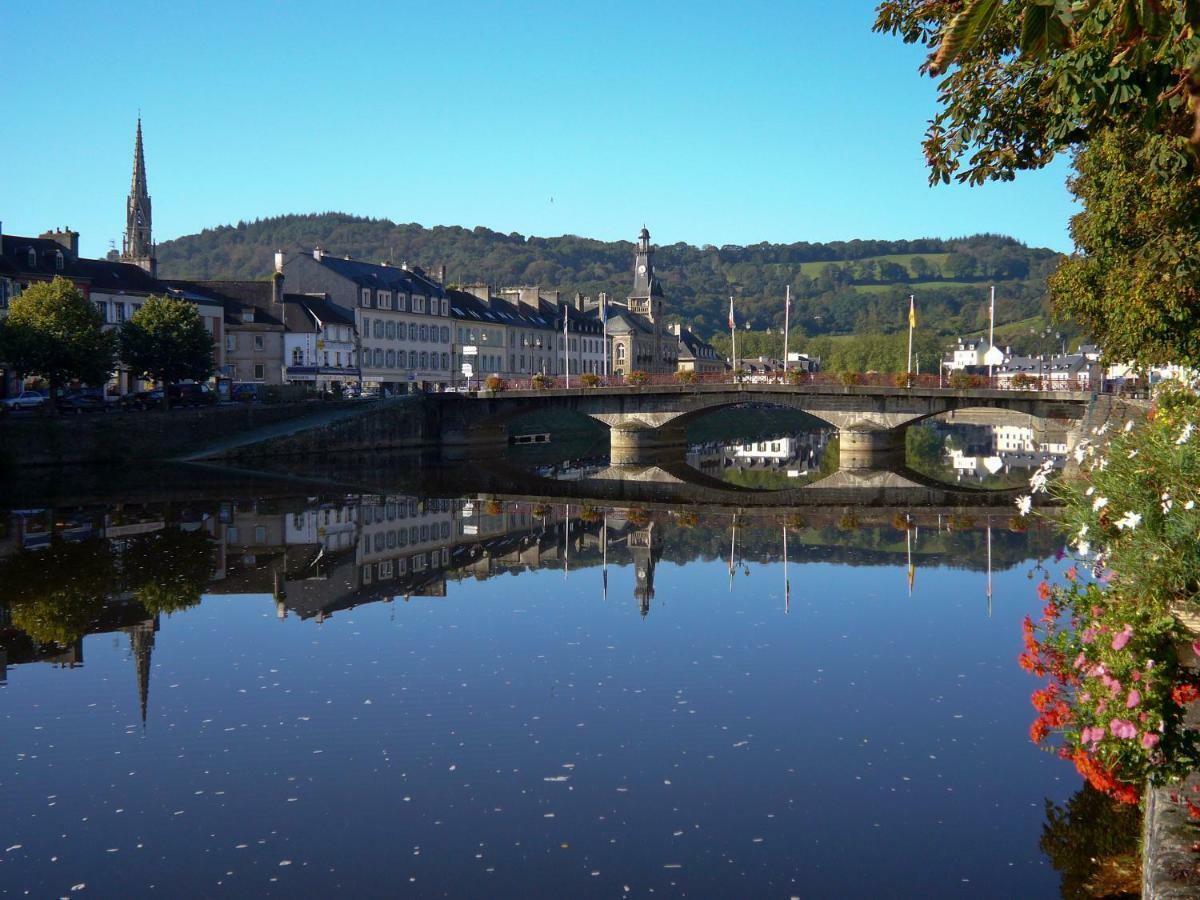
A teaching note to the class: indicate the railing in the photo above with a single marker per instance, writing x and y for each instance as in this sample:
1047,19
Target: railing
901,380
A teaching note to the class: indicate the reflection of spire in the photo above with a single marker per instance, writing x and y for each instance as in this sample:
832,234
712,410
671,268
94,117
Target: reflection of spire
141,645
645,547
567,542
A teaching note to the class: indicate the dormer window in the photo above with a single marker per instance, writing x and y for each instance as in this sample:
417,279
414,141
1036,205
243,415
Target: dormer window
32,258
248,316
58,260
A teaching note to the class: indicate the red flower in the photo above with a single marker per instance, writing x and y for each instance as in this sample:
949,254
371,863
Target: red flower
1185,693
1043,590
1038,730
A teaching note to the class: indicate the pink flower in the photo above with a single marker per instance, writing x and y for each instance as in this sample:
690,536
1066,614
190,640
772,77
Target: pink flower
1080,661
1121,638
1122,728
1133,700
1196,647
1149,740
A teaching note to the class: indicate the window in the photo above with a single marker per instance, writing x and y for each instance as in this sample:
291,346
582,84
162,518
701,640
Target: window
297,356
385,299
418,303
412,332
366,326
259,342
424,332
433,361
433,334
620,351
445,307
337,356
460,335
260,371
378,328
260,534
391,331
424,360
445,335
391,359
366,297
412,359
401,303
231,533
230,342
378,357
446,361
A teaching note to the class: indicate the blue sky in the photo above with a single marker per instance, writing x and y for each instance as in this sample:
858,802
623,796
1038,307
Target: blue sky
710,122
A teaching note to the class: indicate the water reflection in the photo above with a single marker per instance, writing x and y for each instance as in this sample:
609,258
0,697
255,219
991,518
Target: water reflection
488,696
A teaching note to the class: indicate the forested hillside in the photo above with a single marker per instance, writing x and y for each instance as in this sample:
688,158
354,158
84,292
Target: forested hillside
838,288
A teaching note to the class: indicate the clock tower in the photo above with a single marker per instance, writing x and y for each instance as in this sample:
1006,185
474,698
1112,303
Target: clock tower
138,245
647,296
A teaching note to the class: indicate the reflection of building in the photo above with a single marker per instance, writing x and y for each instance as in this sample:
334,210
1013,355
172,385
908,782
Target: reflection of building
646,548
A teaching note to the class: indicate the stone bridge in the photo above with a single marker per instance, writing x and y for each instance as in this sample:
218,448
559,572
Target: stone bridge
643,419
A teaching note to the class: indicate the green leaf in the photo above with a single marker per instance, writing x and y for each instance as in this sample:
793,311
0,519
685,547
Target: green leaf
1043,30
963,32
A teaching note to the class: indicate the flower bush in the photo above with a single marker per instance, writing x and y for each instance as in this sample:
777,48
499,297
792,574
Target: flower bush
539,382
495,383
637,377
1107,641
798,376
589,379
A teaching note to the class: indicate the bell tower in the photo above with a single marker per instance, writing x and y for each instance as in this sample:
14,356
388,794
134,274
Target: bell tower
647,295
138,245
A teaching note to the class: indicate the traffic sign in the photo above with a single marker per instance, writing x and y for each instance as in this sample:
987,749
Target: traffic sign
470,350
468,369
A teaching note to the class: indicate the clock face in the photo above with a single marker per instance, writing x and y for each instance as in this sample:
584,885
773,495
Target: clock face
641,270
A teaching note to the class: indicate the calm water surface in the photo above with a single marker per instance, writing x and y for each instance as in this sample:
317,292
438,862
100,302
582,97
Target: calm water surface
396,695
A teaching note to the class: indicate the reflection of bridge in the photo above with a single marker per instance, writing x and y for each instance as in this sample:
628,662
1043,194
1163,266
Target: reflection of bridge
870,419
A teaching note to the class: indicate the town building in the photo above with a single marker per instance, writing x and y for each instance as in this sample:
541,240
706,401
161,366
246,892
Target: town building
401,317
696,355
640,339
319,344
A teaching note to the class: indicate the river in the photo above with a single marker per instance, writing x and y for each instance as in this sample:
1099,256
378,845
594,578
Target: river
272,689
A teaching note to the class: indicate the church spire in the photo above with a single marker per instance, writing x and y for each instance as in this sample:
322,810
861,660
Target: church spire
141,646
138,246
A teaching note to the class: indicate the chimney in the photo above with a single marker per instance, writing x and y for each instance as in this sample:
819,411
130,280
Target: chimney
481,291
277,288
441,274
579,301
279,261
529,296
675,329
318,253
65,238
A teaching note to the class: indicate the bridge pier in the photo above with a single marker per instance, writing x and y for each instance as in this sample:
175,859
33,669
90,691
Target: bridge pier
875,449
632,442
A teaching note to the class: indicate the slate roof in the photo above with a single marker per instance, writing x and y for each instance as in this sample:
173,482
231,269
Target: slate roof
499,311
98,274
381,277
691,347
235,296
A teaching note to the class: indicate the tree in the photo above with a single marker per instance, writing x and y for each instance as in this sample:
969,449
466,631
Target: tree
1118,83
52,331
920,268
56,593
166,341
1135,285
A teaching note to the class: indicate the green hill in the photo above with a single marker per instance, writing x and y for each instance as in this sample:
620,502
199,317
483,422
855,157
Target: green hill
843,287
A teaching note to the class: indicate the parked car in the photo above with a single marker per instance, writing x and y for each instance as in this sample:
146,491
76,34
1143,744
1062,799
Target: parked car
192,395
26,400
80,402
143,399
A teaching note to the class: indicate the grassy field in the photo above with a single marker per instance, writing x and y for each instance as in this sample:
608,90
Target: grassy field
936,261
917,285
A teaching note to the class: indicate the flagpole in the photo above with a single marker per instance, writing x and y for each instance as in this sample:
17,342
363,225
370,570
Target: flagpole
604,327
989,564
732,337
787,308
991,326
566,348
567,544
912,316
732,541
908,541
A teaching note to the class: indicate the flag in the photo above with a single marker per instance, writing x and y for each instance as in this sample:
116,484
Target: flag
732,324
912,312
912,576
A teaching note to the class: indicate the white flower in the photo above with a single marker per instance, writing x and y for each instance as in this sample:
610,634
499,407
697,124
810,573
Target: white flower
1080,453
1130,520
1024,505
1091,490
1129,425
1191,504
1103,428
1084,547
1186,435
1132,453
1083,530
1166,502
1099,503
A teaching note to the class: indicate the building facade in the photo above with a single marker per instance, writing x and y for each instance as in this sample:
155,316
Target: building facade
402,320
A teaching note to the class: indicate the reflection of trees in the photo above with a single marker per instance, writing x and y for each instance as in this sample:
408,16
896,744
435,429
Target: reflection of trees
56,593
1092,841
168,570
